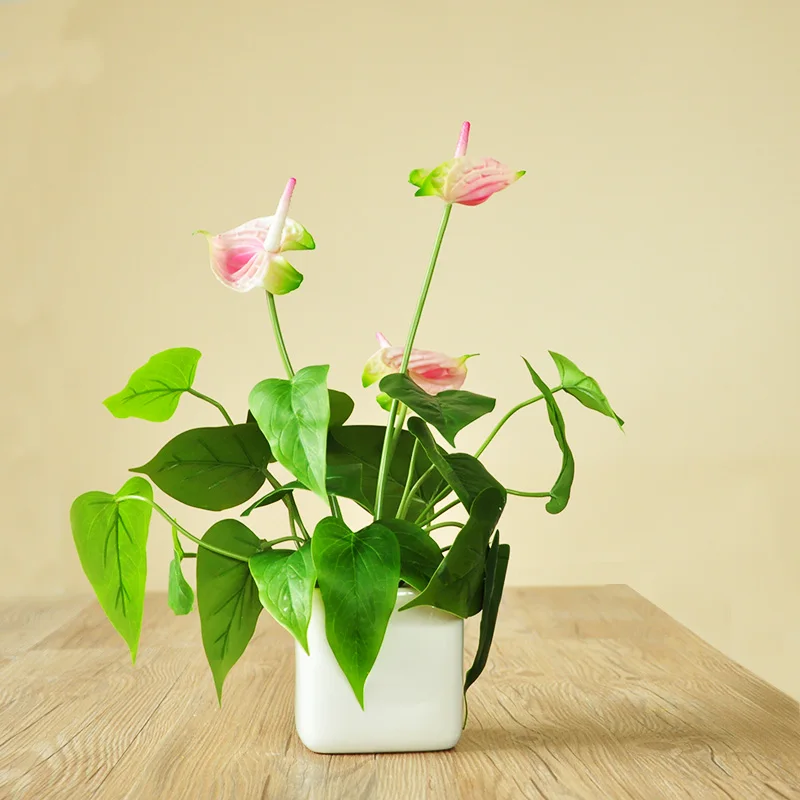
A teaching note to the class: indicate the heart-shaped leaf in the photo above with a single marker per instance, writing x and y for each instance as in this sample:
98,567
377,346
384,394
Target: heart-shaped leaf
495,577
180,595
353,447
583,388
358,574
294,415
110,536
457,584
419,553
285,580
559,494
211,468
463,473
227,596
153,391
448,411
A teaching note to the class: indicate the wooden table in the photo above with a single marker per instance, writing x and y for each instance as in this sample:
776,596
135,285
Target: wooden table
590,693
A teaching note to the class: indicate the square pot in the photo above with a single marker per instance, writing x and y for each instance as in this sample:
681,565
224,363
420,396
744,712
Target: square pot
413,698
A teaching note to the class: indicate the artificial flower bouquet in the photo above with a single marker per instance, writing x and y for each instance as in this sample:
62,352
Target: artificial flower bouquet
407,474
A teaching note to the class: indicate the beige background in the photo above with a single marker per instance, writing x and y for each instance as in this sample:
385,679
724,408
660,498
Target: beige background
655,241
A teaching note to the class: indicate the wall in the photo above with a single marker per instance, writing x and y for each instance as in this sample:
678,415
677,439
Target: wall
654,240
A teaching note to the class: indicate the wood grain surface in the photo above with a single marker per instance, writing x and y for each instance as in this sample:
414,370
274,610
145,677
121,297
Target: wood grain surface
590,693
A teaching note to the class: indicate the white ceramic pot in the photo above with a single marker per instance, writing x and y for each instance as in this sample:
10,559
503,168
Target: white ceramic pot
413,698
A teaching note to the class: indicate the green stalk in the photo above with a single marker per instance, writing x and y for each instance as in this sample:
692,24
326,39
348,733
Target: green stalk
283,539
437,514
528,494
412,492
445,525
199,542
289,502
408,488
386,455
508,416
214,403
276,327
287,365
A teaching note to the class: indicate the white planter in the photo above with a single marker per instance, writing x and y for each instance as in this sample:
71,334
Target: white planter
413,698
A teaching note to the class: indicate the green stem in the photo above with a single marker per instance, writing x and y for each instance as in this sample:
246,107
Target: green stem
287,365
199,542
508,416
406,502
528,494
214,403
386,455
289,502
336,509
445,525
438,513
409,488
276,327
436,499
284,539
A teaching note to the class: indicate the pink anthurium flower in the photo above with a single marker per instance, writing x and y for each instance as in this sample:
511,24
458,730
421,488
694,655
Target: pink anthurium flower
249,256
463,180
432,372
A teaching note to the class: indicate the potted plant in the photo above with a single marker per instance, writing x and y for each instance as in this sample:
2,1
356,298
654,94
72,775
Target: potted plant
377,613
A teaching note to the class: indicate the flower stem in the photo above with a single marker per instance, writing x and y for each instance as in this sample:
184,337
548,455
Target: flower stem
213,402
386,455
287,365
199,542
276,327
508,416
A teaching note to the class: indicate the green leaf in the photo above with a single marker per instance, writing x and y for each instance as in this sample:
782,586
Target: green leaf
179,595
358,574
342,406
495,576
457,584
559,494
583,388
211,468
463,473
285,580
275,496
227,596
344,480
153,391
294,415
353,446
448,411
419,553
111,539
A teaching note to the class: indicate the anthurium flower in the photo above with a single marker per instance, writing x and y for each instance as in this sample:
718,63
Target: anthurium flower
432,372
463,180
249,256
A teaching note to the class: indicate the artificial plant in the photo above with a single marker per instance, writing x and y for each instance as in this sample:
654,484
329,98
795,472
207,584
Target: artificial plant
400,472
